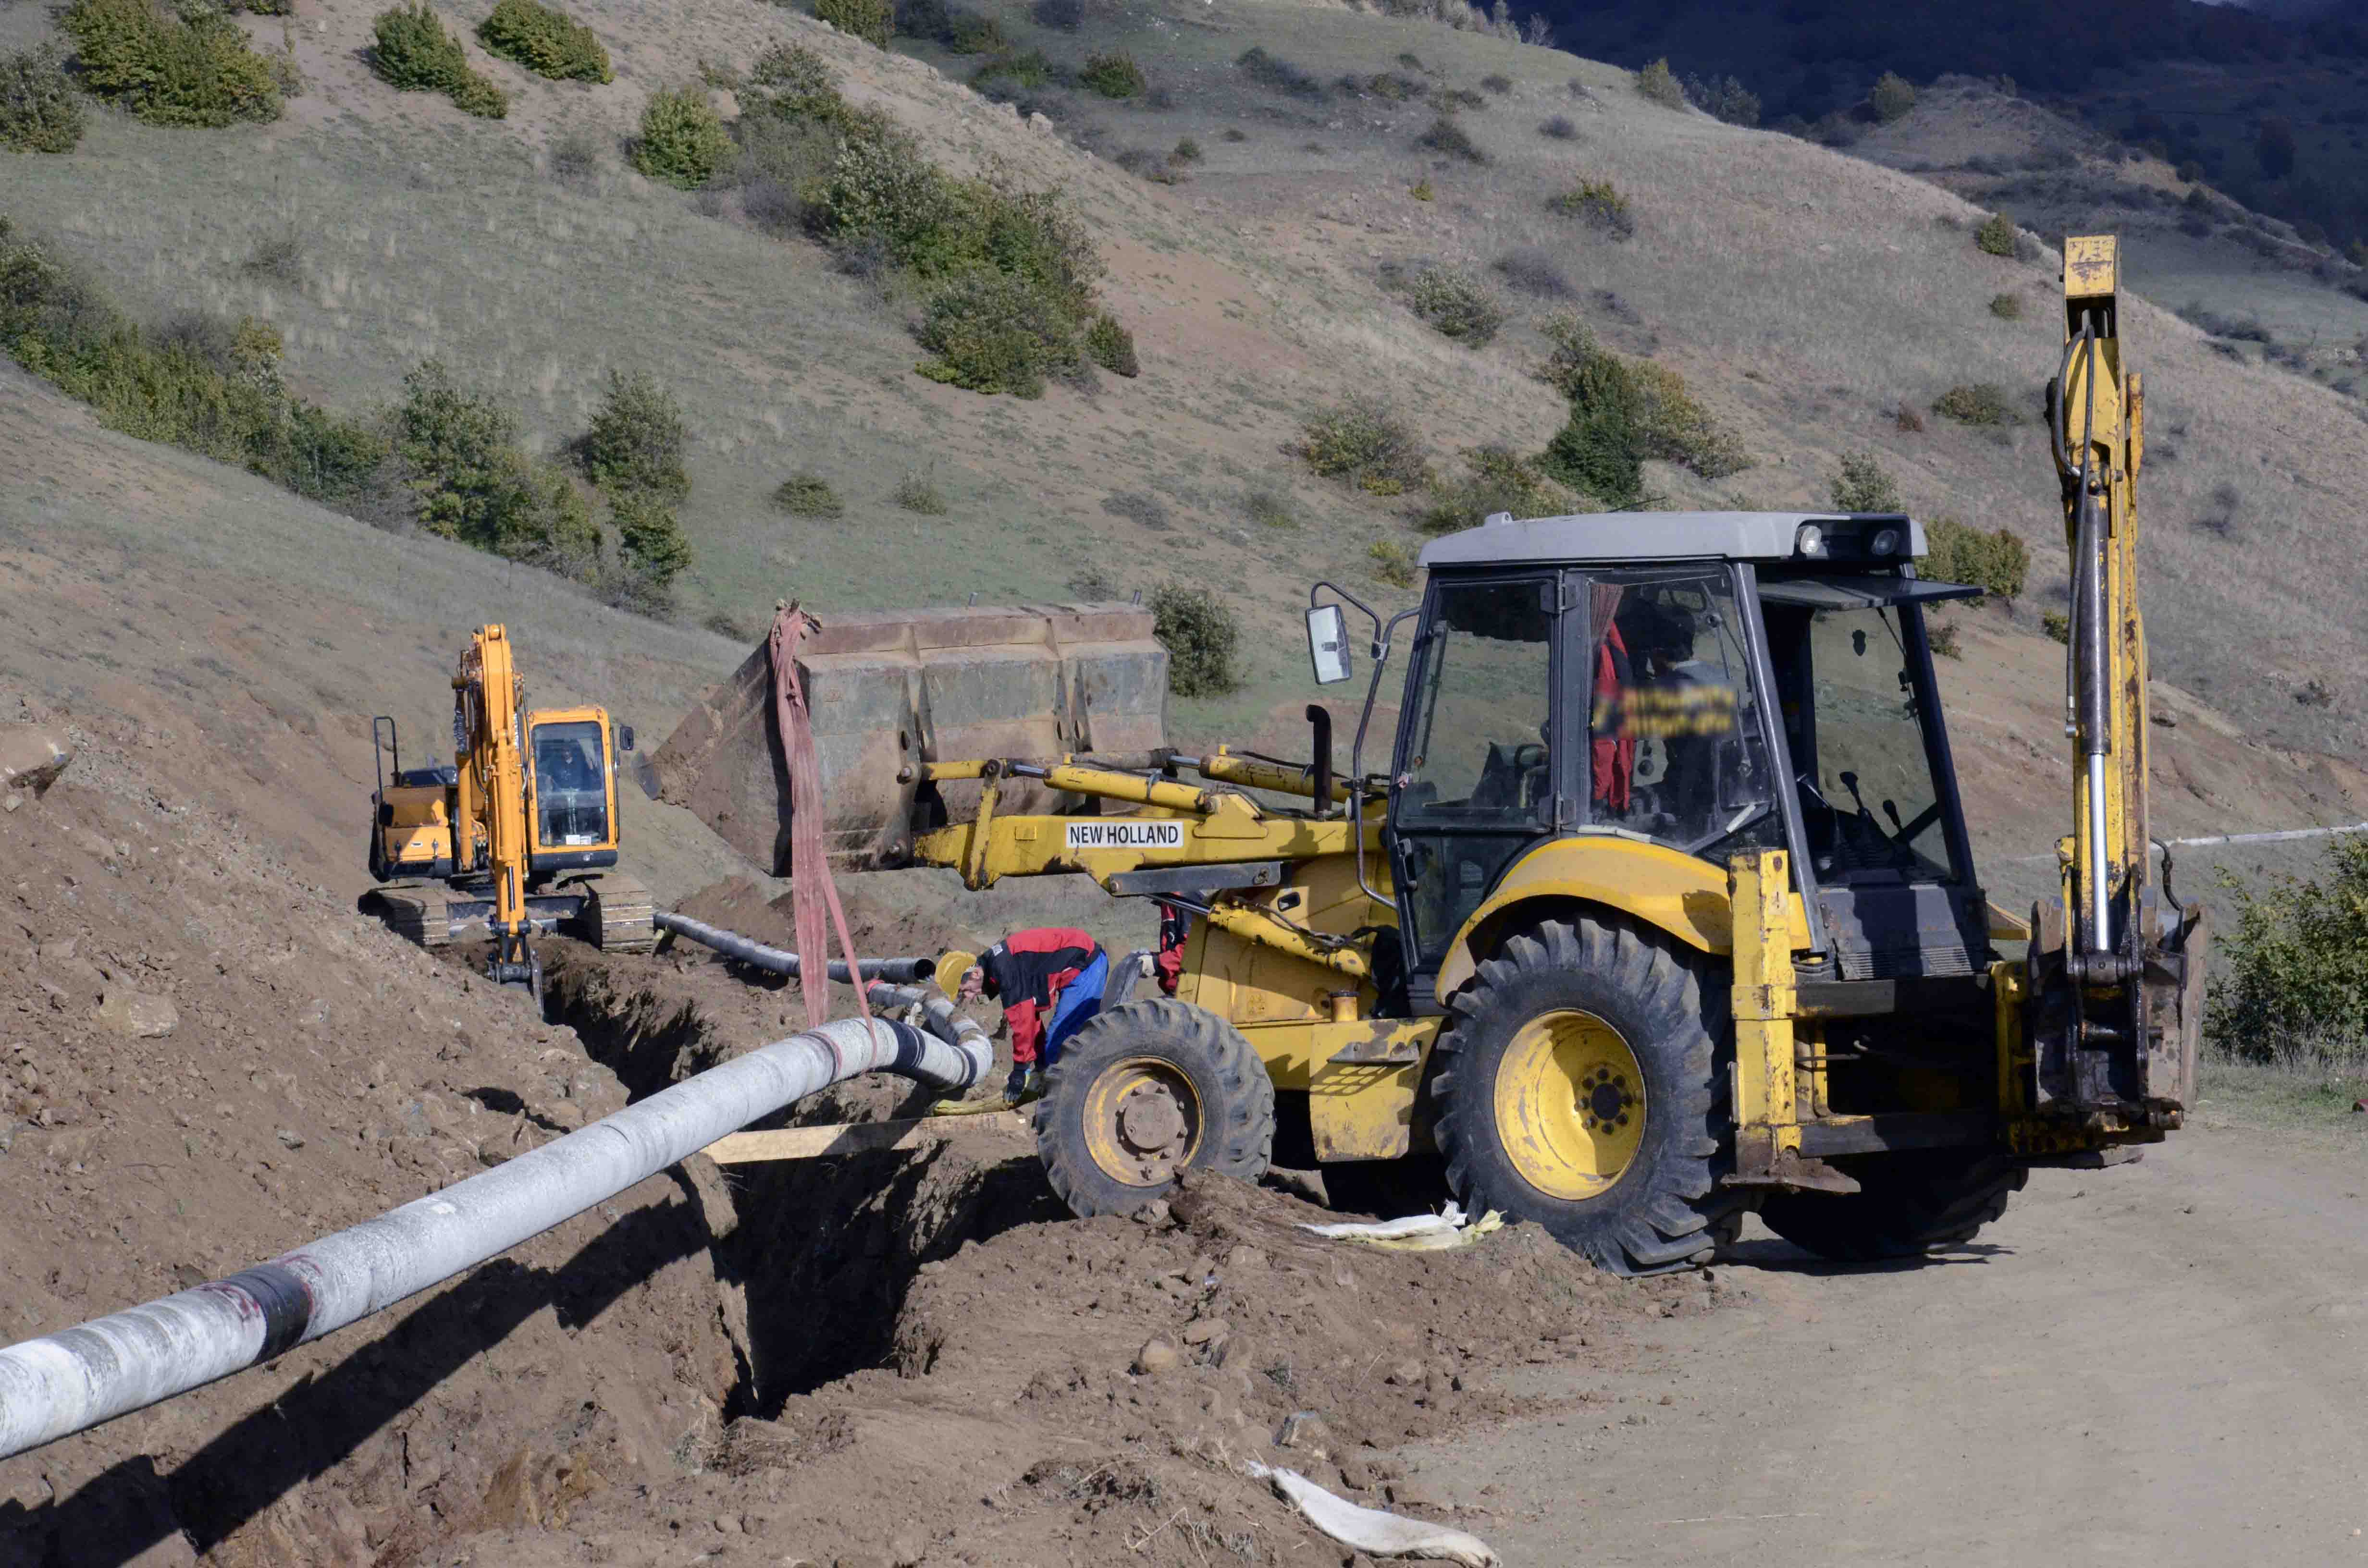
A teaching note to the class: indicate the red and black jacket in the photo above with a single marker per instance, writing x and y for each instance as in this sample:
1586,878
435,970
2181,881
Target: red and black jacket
1027,972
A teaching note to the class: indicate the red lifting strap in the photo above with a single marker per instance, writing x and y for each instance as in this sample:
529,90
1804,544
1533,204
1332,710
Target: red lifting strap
811,889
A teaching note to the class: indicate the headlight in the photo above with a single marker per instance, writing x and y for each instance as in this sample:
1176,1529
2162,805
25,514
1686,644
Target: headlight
1886,542
1811,541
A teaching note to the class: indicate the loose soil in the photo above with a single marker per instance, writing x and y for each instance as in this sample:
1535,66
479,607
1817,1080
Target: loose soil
887,1357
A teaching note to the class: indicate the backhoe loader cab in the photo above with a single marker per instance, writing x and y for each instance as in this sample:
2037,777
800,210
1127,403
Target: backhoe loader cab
1702,684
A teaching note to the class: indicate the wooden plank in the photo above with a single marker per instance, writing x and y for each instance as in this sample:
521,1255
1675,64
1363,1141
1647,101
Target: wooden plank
817,1142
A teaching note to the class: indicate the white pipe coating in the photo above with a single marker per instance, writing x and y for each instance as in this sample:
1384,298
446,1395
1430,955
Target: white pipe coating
79,1376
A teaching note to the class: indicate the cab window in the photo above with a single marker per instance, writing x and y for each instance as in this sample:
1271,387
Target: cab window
571,785
1676,749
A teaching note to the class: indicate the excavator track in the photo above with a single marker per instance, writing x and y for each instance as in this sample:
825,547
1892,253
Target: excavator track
617,913
419,912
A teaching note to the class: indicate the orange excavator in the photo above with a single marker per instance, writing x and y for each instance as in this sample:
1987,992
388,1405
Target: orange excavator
517,836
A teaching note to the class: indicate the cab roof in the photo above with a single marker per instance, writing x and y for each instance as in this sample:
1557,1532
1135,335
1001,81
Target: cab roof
1641,538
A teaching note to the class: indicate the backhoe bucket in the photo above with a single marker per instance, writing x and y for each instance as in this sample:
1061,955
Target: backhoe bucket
891,688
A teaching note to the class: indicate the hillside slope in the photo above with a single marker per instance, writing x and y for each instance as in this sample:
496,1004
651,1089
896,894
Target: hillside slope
1808,298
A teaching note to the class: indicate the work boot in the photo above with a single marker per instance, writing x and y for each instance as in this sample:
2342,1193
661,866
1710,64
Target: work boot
1026,1084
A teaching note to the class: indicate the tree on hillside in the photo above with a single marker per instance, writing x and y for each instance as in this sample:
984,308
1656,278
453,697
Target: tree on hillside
2274,145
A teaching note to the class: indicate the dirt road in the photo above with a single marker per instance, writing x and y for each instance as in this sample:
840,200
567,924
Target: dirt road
2161,1364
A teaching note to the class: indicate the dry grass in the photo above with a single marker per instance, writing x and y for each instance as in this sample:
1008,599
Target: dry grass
1865,295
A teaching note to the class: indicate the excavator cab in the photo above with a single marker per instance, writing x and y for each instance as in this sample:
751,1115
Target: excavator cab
573,785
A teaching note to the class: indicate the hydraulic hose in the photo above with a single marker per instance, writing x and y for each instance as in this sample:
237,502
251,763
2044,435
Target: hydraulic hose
780,960
63,1383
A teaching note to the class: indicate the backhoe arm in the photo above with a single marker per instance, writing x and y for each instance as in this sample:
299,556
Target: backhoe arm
2116,986
488,705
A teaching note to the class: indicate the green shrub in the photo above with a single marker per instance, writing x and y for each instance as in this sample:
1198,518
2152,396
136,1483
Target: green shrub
807,495
1446,136
799,84
1111,346
1186,150
410,50
1363,442
1113,75
1497,83
683,141
1497,479
1729,100
1658,82
1558,128
1600,205
1456,305
870,20
1393,563
2295,964
2056,624
2007,307
1452,98
38,109
1893,98
1864,485
1622,413
1997,235
1978,402
1269,71
1944,639
997,332
1421,190
462,464
546,42
648,539
1200,636
1030,69
208,386
170,71
1998,562
635,441
919,495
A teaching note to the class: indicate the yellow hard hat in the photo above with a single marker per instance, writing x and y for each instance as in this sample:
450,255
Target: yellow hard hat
952,965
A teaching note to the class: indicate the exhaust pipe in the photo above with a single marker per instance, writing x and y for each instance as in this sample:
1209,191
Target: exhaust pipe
731,944
63,1383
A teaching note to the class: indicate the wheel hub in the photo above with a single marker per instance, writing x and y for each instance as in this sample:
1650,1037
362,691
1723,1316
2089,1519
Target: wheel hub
1143,1121
1570,1104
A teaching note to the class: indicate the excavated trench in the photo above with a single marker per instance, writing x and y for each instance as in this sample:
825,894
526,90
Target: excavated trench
816,1255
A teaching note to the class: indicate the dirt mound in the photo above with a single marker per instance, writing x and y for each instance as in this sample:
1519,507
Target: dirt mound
206,1058
946,1367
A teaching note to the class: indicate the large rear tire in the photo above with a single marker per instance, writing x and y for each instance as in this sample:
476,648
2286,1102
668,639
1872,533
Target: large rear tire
1147,1090
1907,1205
1583,1087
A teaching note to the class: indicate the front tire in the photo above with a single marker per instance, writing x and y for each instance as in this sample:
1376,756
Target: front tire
1147,1090
1906,1205
1583,1088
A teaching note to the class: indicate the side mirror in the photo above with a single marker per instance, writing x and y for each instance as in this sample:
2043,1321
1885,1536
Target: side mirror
624,737
1328,644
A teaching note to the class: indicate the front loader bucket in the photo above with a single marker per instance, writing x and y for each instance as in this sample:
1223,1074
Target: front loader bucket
891,688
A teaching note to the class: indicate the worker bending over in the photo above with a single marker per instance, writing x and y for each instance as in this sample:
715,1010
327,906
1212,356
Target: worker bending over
1050,982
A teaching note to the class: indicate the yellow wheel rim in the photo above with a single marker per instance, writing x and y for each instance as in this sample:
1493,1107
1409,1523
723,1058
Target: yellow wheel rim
1570,1104
1141,1121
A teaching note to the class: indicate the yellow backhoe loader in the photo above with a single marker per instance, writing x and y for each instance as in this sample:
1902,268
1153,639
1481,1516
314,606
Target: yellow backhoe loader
519,835
1663,909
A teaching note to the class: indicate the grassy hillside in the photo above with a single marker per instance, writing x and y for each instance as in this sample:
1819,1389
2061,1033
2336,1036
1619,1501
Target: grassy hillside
1806,298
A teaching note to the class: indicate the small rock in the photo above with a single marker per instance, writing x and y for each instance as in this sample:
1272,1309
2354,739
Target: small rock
907,1547
1245,1256
1152,1213
31,757
1205,1330
1414,1496
138,1014
288,1140
1406,1374
1305,1430
1157,1356
1356,1473
1037,122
